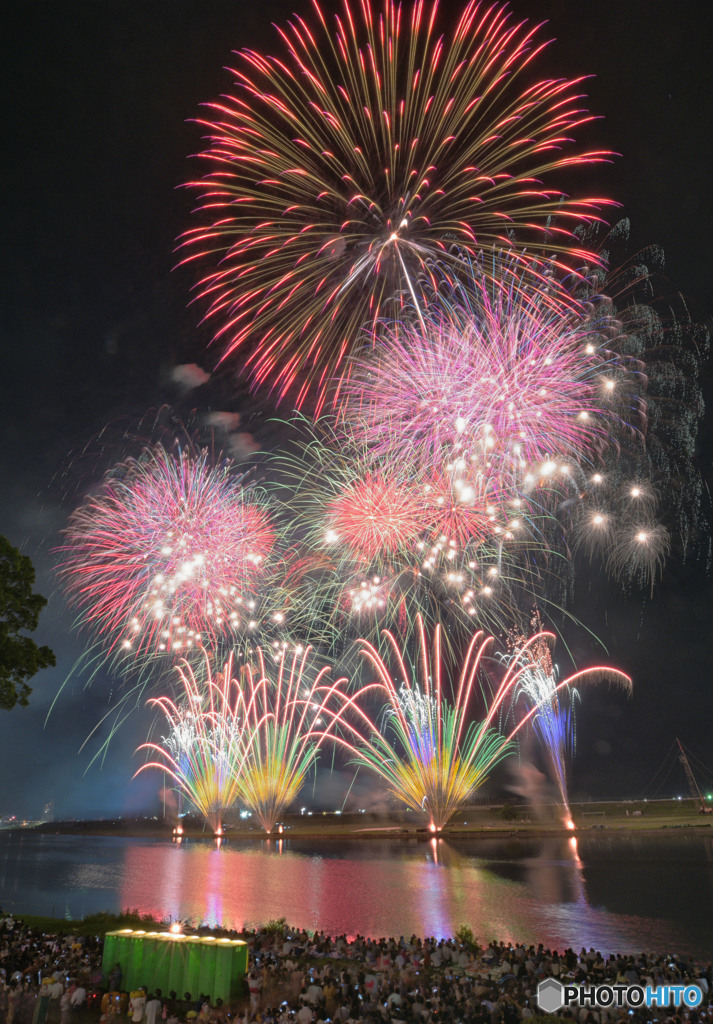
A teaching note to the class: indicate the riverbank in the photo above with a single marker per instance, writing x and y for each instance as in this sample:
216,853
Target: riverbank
655,817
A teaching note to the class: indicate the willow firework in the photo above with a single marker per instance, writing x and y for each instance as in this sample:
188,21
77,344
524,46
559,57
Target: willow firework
648,490
344,168
169,552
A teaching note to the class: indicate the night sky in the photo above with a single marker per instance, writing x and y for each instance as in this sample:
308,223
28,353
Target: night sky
97,108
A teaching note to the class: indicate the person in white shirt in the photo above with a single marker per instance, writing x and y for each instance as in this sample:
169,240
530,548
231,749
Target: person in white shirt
56,989
65,1007
153,1008
137,1004
305,1015
79,996
314,993
255,987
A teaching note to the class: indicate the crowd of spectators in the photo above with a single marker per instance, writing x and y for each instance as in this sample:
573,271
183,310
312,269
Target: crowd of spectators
33,962
299,978
431,981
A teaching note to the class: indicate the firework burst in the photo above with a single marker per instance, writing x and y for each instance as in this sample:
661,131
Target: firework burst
530,411
343,169
491,386
386,542
169,553
374,516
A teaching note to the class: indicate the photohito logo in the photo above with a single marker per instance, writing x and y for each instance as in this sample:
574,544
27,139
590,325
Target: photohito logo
552,995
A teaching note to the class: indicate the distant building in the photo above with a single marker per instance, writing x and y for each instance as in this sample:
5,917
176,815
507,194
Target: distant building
48,812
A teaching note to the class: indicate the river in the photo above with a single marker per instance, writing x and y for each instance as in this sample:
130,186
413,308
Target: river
618,893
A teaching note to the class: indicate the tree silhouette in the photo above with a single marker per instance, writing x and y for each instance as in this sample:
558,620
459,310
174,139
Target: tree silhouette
20,657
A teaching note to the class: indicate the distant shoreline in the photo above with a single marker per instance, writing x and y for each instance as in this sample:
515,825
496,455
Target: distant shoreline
357,828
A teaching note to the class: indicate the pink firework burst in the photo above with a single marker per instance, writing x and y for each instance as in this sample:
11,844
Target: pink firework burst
509,379
375,516
169,551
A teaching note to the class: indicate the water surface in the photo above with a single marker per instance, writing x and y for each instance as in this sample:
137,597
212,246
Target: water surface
618,893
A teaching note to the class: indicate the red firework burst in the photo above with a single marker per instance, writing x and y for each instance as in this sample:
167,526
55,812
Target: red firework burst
458,512
375,516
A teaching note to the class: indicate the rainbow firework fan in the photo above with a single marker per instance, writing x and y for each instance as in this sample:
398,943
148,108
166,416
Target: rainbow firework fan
282,710
203,724
168,554
552,702
249,736
374,146
425,745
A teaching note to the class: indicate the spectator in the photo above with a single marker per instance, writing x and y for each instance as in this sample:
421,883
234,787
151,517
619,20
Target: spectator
152,1010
